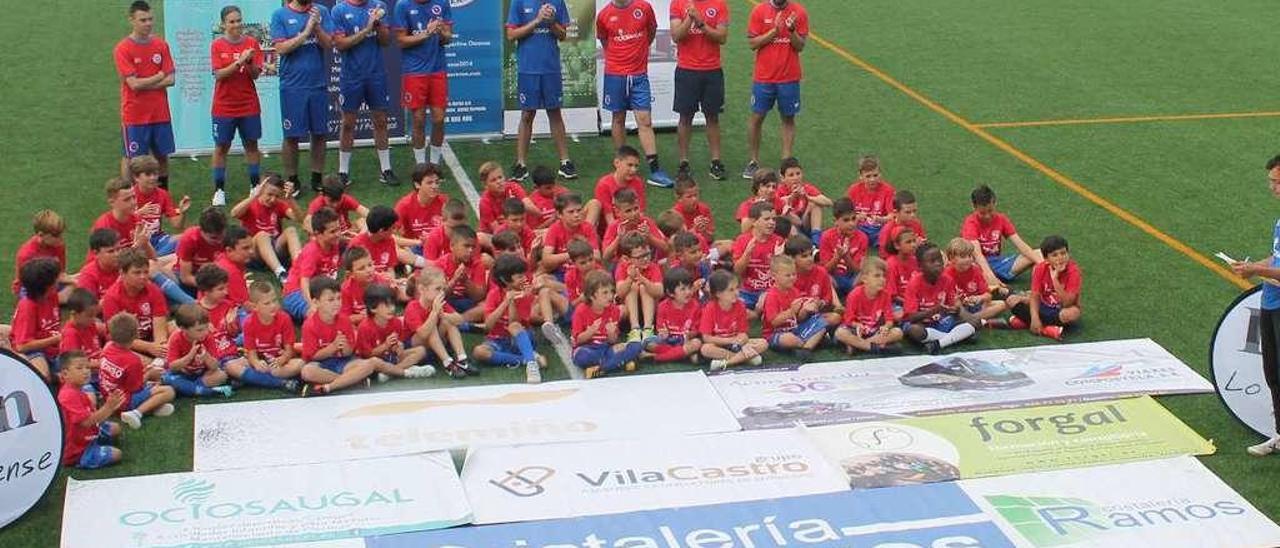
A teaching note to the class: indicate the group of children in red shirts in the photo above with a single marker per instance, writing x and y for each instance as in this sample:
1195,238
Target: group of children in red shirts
670,292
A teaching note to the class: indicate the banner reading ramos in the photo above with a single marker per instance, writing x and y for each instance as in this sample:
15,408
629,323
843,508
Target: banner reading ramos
854,391
1167,503
525,483
994,443
267,433
266,505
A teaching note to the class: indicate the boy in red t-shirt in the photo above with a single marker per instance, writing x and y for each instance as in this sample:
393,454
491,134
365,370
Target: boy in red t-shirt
931,312
328,344
842,249
154,203
134,293
545,191
498,189
902,264
237,249
802,202
429,322
121,372
867,325
436,242
987,229
600,210
466,273
777,31
379,337
269,338
422,208
35,329
333,195
193,359
752,253
971,285
723,326
687,253
791,321
764,189
630,219
872,198
582,262
906,212
227,323
122,217
1054,300
596,349
696,213
639,285
199,245
360,274
46,242
677,321
569,226
101,268
811,281
83,332
320,258
263,213
87,434
509,310
380,241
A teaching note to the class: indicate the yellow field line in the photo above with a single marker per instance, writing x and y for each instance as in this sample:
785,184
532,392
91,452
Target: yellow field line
1037,165
1132,119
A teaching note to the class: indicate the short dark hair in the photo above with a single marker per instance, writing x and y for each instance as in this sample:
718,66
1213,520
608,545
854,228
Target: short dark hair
579,248
123,328
232,236
103,238
80,299
891,246
332,187
789,162
505,268
902,198
321,284
631,242
1053,242
626,151
421,171
842,207
213,221
684,183
758,209
797,245
782,226
228,10
625,195
513,206
720,280
322,218
506,240
674,278
210,276
353,254
454,210
983,195
763,176
380,218
1273,163
685,240
542,175
924,249
132,258
567,199
137,6
190,315
461,233
378,294
594,282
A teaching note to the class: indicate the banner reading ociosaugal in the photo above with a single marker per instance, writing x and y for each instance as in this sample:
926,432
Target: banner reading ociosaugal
863,390
383,424
525,483
259,505
994,443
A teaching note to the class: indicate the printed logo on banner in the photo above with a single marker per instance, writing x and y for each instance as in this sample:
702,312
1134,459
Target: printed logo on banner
1119,373
1101,372
195,503
1055,521
1065,424
526,481
405,407
30,437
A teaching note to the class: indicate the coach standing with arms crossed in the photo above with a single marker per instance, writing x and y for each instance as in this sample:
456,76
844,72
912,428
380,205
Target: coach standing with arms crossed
301,34
146,71
1269,271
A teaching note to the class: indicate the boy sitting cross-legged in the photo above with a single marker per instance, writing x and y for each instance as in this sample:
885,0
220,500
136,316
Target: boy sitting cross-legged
868,313
193,359
379,336
269,340
122,372
429,321
1054,300
328,344
508,309
87,432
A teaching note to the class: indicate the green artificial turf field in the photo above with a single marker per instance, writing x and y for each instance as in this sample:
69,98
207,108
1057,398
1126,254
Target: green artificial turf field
958,67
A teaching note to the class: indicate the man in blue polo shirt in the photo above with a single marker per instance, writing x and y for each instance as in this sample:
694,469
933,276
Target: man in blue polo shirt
301,33
359,35
423,28
1269,325
537,27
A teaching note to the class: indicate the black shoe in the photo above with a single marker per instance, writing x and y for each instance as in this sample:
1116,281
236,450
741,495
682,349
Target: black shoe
317,183
454,371
933,348
292,386
389,178
468,367
718,172
749,172
344,177
684,170
297,187
519,172
567,170
804,355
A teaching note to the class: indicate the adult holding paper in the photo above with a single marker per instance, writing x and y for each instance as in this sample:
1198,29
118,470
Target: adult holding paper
1269,270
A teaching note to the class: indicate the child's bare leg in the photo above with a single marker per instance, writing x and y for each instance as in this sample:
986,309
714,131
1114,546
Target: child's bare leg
591,212
544,305
482,352
788,341
813,342
647,307
214,377
891,336
632,303
437,346
1069,315
266,249
993,309
474,315
815,218
160,395
411,357
314,374
356,371
386,368
559,304
851,340
691,347
291,241
289,370
455,338
42,367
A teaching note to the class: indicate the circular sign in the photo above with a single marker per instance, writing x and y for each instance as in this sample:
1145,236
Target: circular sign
1235,364
30,437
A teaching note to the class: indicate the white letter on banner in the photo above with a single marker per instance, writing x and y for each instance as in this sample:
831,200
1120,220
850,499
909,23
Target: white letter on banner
701,538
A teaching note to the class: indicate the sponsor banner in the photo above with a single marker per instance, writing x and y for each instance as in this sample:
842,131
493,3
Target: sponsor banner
30,437
261,505
995,443
335,428
1167,503
577,71
662,71
474,63
855,391
526,483
1235,363
937,515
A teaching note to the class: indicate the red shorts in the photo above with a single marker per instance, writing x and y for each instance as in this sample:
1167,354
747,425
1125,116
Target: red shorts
425,90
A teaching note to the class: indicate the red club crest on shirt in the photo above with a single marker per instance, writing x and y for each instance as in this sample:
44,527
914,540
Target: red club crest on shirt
638,13
155,58
711,12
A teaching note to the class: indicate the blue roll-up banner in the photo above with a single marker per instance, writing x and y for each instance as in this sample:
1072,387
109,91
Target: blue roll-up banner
474,65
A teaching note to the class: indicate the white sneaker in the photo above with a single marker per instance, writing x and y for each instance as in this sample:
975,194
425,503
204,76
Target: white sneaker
756,359
532,373
219,198
420,371
718,365
1260,450
383,377
164,410
132,418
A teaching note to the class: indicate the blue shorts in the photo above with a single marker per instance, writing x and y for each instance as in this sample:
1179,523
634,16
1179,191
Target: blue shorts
804,330
873,234
844,283
540,91
786,94
944,324
1049,315
460,304
295,305
1002,266
334,364
304,112
225,129
154,139
371,92
98,453
504,345
164,244
623,93
750,298
136,398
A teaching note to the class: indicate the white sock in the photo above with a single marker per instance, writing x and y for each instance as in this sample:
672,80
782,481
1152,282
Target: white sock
134,413
957,334
384,159
436,153
344,161
420,155
281,270
462,355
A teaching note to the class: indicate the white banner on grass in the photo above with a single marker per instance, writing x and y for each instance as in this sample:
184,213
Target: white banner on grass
1167,503
526,483
384,424
855,391
257,506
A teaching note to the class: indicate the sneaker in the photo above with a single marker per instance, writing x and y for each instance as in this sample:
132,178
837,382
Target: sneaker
635,335
803,355
532,373
1260,450
219,198
749,172
297,187
454,371
660,179
1052,331
684,170
420,371
717,171
283,275
933,348
292,386
568,170
629,366
132,418
996,323
164,410
542,360
224,391
519,172
344,177
389,178
646,334
756,360
368,381
1017,323
553,334
467,367
383,377
718,365
314,390
592,372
